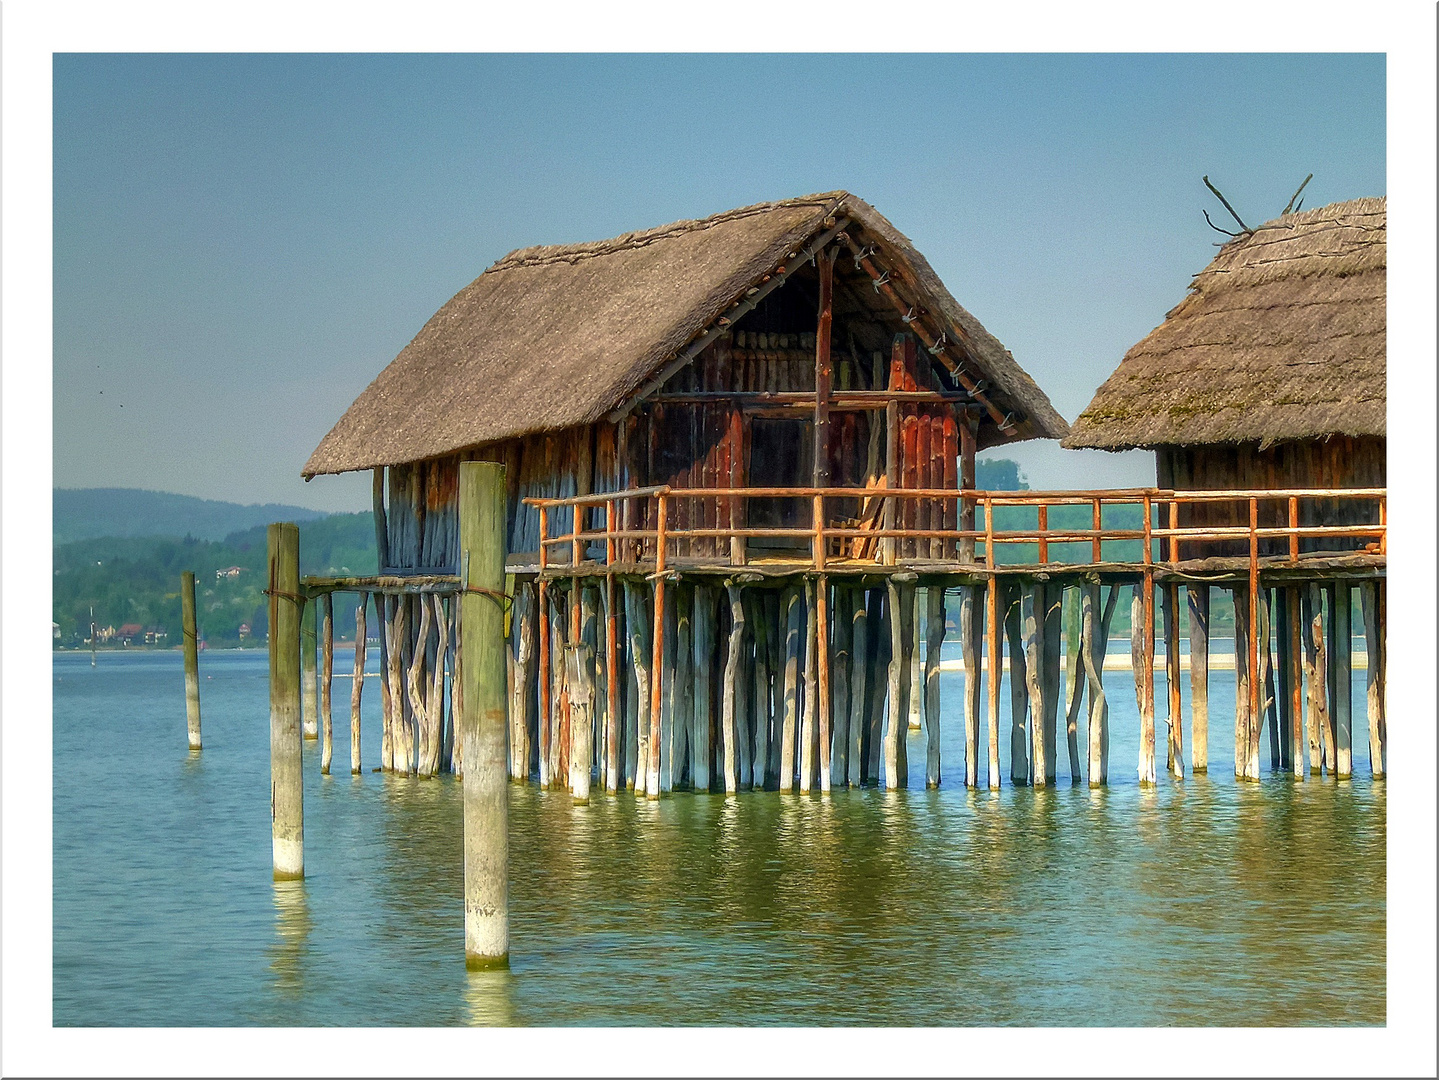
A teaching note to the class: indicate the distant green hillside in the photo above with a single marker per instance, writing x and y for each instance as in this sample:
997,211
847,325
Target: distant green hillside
137,579
82,513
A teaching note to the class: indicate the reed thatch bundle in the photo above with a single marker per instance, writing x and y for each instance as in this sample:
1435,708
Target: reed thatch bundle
554,337
1280,338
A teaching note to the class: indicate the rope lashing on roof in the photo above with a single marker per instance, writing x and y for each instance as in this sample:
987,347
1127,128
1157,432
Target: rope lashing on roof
861,255
979,389
908,317
881,281
938,346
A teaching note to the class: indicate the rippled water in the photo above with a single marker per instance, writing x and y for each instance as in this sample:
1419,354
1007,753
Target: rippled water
1201,902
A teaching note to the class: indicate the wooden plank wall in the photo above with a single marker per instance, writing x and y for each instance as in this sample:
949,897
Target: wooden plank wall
1337,462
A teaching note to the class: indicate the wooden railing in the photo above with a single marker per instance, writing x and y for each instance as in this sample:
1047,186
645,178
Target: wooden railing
886,536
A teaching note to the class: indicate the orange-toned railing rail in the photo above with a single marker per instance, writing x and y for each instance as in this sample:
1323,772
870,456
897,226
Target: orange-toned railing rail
625,543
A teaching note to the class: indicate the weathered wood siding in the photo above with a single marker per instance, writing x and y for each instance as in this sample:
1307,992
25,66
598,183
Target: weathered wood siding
1337,462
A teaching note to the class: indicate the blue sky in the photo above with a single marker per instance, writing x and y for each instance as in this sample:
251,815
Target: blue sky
242,242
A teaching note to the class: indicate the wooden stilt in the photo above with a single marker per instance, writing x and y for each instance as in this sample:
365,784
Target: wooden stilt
809,723
794,630
1198,597
383,607
308,677
933,648
589,629
613,708
992,648
1171,679
521,623
1049,681
705,628
1293,631
819,634
1140,612
669,769
1073,679
1266,665
840,663
1315,677
545,687
1282,676
1341,651
1018,686
859,685
632,695
1242,718
683,694
1094,644
971,631
1371,600
287,792
763,711
357,682
581,683
881,615
457,687
413,677
732,703
897,716
1031,632
638,621
744,713
327,678
911,666
192,658
913,646
402,736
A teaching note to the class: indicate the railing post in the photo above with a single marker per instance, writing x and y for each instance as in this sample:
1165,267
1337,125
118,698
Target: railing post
609,532
1173,527
1384,525
1096,554
1043,528
1293,528
482,718
989,531
816,544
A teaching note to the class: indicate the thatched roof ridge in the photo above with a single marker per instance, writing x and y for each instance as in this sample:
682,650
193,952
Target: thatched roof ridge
552,337
1282,337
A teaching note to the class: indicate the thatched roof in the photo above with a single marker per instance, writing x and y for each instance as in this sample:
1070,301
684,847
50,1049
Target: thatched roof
1280,338
552,337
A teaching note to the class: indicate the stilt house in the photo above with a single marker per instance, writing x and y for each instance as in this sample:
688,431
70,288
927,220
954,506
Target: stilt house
759,347
1269,375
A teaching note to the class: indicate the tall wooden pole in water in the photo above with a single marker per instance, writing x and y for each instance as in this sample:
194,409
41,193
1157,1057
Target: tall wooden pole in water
992,659
1198,596
1343,680
933,648
1371,597
287,798
357,684
482,722
971,626
308,709
327,675
192,657
1171,678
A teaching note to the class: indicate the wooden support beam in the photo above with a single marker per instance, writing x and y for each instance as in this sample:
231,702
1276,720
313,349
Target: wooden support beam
732,706
1094,644
383,607
968,441
1049,682
357,682
1139,609
971,631
382,531
897,718
763,710
641,633
889,515
1019,771
841,663
1242,672
546,704
1031,629
992,649
1073,678
880,617
819,634
1266,665
1315,678
1174,719
823,367
1283,697
581,684
1371,597
1343,680
933,649
308,676
669,767
794,618
1198,597
1331,684
809,730
859,690
287,790
327,678
705,599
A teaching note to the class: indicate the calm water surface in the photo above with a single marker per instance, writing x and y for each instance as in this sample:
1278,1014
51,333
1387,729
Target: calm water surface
1201,902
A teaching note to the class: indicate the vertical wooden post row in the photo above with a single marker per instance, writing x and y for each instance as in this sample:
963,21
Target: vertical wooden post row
482,724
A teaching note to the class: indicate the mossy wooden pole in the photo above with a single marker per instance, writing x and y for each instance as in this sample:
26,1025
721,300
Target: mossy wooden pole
309,723
327,678
357,683
1371,598
1198,597
482,722
1343,680
287,797
933,649
192,658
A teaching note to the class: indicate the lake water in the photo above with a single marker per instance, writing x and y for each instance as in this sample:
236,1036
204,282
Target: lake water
1201,902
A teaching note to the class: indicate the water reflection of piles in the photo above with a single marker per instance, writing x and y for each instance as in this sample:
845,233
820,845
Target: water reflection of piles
290,950
489,998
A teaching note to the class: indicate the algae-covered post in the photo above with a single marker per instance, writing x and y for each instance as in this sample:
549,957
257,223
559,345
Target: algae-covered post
482,726
192,657
287,805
